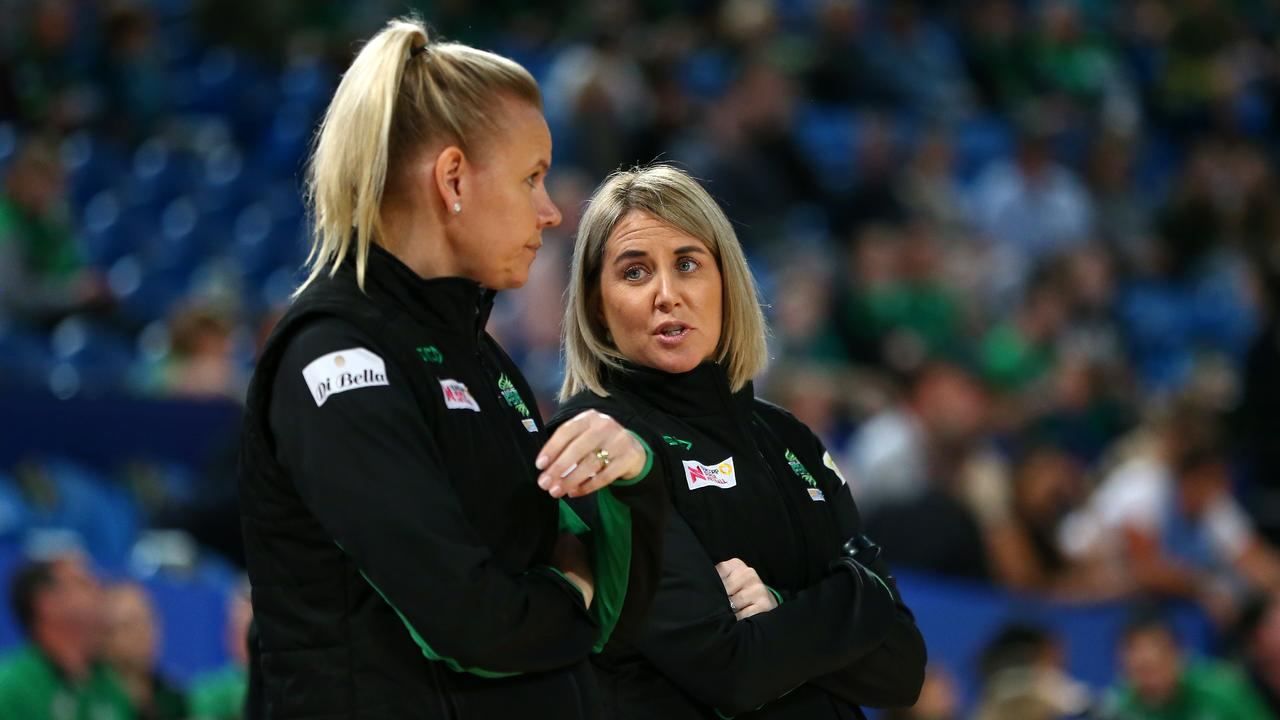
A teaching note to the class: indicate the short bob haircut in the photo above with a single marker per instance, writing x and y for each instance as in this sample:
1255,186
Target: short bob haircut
675,198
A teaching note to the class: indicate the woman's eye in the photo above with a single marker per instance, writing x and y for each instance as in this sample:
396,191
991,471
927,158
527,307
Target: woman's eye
687,265
532,180
635,272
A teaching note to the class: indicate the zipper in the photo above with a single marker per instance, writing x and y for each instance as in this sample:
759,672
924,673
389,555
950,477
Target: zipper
797,526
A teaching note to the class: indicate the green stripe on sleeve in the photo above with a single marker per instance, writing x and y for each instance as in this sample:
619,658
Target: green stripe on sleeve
570,521
427,651
611,563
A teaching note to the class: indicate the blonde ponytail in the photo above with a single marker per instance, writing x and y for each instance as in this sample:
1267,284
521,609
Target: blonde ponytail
401,93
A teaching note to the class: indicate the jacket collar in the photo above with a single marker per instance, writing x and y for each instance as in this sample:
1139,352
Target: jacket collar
455,304
700,392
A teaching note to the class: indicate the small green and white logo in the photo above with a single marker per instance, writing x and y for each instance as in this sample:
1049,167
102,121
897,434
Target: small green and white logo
798,468
430,354
677,442
512,396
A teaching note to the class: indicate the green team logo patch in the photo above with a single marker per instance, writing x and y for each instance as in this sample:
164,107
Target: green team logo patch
677,442
430,354
798,468
512,396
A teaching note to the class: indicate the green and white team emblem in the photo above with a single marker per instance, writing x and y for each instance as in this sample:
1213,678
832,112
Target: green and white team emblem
677,442
512,396
430,354
798,468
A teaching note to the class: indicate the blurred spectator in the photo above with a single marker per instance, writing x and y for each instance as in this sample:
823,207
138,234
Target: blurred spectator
1078,66
1259,646
1031,208
756,171
1025,550
57,675
918,62
133,73
201,363
50,77
1020,351
601,93
939,698
841,73
1201,33
1166,516
928,189
129,647
1024,678
1160,681
1123,211
874,195
43,275
221,695
912,465
899,309
998,54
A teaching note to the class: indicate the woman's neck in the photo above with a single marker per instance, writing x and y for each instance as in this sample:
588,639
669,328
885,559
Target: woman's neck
415,236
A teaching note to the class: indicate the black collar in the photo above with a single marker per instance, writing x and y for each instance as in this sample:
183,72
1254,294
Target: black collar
454,304
700,392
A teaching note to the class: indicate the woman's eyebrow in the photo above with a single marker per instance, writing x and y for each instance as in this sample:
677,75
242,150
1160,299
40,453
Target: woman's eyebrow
630,255
688,249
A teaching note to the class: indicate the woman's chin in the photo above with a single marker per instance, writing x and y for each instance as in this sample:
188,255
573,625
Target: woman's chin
673,363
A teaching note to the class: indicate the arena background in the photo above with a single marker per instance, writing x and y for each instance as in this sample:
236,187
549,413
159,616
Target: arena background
1007,248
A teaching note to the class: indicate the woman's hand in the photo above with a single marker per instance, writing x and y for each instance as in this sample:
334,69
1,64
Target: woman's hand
587,453
569,556
748,595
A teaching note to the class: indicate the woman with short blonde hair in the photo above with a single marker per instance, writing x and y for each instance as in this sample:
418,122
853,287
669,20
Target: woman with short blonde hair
676,199
408,549
772,602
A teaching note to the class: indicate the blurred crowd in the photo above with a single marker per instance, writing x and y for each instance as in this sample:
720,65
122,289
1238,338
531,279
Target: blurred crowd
91,651
1021,258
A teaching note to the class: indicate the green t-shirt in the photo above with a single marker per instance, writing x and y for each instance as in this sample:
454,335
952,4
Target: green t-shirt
31,688
1208,691
220,695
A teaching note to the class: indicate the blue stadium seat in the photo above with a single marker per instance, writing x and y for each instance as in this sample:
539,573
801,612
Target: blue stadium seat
25,357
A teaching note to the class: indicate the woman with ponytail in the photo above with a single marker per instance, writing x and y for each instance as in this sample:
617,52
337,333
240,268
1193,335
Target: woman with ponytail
409,547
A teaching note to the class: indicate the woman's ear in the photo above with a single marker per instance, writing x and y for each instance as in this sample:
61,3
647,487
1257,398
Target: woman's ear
450,176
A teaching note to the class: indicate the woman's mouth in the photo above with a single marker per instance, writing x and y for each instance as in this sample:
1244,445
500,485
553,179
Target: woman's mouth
672,333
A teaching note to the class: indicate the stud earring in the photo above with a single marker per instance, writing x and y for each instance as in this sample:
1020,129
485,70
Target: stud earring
457,208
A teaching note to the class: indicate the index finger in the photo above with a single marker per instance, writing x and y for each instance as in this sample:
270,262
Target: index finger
561,438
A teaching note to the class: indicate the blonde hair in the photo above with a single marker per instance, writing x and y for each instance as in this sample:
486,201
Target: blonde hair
675,198
401,93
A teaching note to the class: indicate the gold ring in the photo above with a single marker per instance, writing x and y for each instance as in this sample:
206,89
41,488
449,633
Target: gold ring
603,456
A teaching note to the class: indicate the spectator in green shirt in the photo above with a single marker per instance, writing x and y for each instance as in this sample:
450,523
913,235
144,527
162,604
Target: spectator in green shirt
129,647
221,695
56,676
43,273
1162,683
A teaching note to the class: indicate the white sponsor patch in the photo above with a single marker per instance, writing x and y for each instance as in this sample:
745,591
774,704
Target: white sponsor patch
344,370
457,396
529,425
721,475
831,465
816,495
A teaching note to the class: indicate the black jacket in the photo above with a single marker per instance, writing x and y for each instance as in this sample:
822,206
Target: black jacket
397,542
750,481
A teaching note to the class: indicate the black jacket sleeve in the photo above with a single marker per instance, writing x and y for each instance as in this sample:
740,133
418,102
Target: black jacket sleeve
365,464
623,536
735,666
892,674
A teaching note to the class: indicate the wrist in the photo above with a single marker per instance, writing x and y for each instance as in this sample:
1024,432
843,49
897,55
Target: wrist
645,462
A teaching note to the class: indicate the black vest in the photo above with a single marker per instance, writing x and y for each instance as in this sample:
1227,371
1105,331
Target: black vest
330,647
